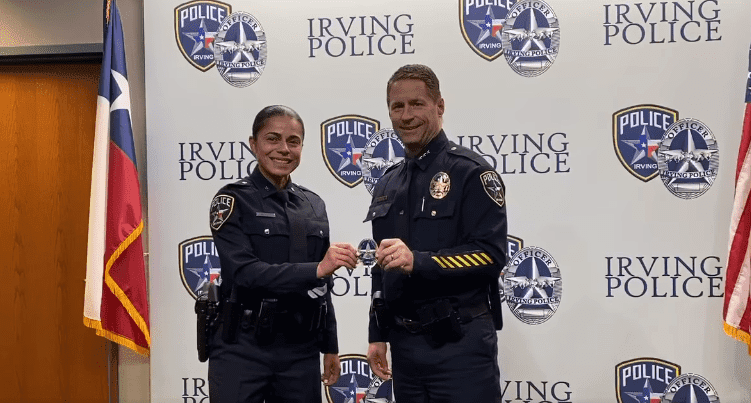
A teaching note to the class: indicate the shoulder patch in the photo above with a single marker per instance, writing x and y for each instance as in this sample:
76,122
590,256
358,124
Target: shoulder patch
221,209
493,186
456,149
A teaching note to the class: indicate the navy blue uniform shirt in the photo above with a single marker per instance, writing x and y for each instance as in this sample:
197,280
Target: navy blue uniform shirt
448,206
251,232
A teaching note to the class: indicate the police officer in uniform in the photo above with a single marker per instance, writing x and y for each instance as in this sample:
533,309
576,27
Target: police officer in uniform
440,222
273,241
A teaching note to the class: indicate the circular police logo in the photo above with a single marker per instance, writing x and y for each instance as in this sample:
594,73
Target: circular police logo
533,285
240,49
691,388
440,185
198,263
531,37
357,383
366,252
688,158
383,149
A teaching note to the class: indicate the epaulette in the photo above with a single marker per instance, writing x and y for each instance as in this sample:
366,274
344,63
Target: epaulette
304,189
457,149
240,182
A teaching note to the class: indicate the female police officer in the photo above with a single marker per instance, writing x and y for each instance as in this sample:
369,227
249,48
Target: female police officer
273,241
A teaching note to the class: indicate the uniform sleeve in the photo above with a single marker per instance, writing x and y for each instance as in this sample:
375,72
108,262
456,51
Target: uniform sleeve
237,256
483,231
329,339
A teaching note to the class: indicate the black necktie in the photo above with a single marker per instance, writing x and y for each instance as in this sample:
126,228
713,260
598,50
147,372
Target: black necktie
298,247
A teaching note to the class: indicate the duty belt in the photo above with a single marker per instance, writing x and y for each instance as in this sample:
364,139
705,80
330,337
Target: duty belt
466,314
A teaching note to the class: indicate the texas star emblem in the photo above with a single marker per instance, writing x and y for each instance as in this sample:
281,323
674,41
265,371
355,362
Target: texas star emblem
221,208
196,25
493,186
383,150
240,49
358,384
637,133
481,24
531,37
533,285
343,141
690,388
688,158
198,263
643,380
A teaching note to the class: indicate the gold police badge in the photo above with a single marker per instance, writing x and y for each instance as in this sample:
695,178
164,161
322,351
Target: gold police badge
440,185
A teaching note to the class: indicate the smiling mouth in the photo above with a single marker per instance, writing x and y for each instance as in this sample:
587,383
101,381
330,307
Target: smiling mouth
281,161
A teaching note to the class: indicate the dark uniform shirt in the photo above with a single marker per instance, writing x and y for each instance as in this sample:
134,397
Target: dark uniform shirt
249,222
448,207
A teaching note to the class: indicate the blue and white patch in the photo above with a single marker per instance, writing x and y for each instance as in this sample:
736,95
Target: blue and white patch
637,134
688,158
691,388
533,285
643,379
531,37
343,141
240,49
221,208
199,263
481,23
493,186
357,383
196,25
383,150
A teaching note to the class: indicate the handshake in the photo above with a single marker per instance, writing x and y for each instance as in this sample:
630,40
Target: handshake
391,254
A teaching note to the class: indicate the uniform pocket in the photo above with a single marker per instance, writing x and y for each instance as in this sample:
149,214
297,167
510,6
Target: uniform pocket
378,210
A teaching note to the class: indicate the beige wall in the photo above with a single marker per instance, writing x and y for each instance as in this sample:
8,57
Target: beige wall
62,22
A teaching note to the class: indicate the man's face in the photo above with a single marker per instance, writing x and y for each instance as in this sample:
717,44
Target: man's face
414,115
277,147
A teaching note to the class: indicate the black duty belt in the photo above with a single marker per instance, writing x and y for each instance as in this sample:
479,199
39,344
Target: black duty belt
466,314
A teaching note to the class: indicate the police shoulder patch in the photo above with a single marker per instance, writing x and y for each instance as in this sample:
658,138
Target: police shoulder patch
493,186
221,209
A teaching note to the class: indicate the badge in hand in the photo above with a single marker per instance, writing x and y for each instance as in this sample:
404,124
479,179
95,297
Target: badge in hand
366,252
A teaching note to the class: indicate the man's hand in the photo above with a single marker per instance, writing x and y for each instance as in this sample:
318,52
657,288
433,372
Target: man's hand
377,360
393,254
338,255
331,369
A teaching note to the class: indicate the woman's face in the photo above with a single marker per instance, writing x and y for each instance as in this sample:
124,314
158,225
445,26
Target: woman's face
278,146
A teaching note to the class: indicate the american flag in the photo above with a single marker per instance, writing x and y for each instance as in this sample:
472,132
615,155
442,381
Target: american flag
737,310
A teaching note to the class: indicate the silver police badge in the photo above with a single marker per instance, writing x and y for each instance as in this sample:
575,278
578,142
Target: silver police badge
366,252
440,185
221,208
690,388
531,37
493,186
240,49
383,149
533,285
688,158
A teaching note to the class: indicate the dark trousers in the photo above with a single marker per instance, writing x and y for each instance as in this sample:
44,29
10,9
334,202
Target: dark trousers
462,371
245,372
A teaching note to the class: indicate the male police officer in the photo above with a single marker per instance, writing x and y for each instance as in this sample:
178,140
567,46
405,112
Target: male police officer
440,221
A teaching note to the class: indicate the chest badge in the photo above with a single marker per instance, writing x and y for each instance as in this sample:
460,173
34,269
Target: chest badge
440,185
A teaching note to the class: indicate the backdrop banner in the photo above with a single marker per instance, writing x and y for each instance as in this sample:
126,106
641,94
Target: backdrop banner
615,127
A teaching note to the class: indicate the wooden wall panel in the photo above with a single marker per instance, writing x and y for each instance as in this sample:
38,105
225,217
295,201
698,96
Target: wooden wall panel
47,114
